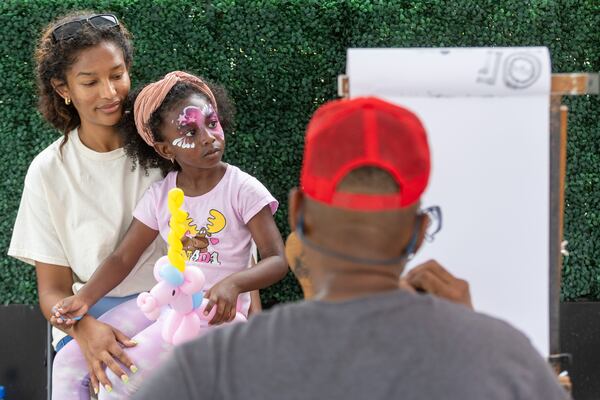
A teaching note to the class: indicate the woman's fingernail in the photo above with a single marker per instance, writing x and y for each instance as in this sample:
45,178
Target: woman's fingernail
133,369
95,390
124,378
134,342
108,388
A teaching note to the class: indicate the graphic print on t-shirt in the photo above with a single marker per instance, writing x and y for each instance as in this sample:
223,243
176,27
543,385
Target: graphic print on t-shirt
198,244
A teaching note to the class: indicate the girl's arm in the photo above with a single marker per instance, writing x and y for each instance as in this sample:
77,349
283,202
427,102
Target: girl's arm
111,272
271,269
273,266
255,303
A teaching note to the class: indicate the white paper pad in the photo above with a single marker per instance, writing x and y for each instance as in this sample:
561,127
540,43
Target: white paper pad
486,112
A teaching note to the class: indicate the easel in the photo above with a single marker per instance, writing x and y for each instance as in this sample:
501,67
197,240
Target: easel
573,84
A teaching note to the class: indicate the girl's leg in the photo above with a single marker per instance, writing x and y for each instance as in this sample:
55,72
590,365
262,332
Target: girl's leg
70,378
150,353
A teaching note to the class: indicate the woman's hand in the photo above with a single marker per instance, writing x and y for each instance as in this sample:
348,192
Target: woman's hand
69,310
223,296
102,346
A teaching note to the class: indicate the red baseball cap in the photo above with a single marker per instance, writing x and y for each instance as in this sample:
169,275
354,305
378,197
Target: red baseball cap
344,135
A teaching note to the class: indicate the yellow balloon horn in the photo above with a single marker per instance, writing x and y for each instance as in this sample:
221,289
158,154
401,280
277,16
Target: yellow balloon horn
177,223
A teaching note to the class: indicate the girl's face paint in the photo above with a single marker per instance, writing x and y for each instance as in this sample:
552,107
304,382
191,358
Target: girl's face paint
194,133
184,142
193,121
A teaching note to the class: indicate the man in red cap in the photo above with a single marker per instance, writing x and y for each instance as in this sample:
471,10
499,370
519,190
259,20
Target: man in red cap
358,216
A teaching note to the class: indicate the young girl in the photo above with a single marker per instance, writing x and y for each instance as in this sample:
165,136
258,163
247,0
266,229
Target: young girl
178,117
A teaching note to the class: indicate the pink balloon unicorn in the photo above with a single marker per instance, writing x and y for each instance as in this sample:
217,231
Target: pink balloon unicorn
182,292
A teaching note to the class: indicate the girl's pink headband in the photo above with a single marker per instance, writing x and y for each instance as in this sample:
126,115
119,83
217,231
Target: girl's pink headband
152,96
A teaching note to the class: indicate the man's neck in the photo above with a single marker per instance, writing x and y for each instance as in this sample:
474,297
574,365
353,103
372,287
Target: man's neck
338,286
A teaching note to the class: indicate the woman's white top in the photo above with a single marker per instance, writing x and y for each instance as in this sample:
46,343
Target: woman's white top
76,206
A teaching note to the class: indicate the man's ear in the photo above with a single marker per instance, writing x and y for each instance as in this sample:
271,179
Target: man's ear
164,150
61,88
295,204
423,221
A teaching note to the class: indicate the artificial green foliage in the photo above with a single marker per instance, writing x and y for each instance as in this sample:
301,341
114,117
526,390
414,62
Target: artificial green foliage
280,60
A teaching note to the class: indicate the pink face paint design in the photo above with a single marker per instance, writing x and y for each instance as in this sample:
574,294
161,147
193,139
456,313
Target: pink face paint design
193,118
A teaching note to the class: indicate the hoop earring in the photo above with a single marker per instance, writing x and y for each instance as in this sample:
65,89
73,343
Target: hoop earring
67,101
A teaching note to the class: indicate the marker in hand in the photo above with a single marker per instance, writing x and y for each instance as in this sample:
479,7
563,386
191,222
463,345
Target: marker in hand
60,316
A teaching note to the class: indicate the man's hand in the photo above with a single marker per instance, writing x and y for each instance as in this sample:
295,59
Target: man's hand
431,277
102,346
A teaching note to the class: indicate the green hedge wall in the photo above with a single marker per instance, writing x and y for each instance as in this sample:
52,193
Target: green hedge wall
280,59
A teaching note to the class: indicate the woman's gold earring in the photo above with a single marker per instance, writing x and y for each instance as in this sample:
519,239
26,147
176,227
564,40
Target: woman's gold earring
67,101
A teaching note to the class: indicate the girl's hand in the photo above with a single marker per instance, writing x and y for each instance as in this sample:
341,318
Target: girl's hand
102,346
59,323
69,310
223,296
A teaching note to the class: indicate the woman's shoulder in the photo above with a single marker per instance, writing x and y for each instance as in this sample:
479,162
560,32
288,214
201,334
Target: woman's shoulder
47,161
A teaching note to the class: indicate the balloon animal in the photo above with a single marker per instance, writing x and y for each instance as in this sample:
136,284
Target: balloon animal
185,319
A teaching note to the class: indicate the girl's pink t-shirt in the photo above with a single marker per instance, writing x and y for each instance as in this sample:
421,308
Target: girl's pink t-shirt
218,239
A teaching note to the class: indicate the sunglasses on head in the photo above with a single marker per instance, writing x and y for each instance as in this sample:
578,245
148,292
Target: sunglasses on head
70,29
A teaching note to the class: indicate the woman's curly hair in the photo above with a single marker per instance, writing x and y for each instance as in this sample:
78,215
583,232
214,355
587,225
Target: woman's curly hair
54,57
144,155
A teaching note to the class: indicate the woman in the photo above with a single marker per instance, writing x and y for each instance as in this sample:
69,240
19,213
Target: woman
80,192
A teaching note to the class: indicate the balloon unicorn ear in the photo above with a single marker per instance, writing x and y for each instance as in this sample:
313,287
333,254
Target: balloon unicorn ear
194,280
158,265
